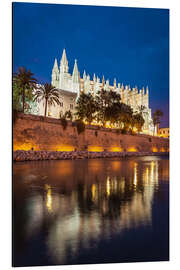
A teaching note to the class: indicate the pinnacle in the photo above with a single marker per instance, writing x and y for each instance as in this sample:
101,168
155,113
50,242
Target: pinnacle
55,64
64,58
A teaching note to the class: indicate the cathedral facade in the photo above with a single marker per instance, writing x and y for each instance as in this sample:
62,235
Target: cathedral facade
70,87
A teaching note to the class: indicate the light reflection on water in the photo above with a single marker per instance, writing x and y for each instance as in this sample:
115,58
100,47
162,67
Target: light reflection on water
78,204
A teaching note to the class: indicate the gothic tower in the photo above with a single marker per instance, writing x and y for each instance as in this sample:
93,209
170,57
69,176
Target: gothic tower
55,75
63,76
75,79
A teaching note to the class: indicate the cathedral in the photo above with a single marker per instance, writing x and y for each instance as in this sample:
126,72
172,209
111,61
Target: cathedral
70,87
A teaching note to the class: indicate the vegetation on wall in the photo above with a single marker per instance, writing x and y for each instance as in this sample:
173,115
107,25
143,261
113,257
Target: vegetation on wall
64,123
96,133
80,126
23,85
106,107
17,98
68,115
86,108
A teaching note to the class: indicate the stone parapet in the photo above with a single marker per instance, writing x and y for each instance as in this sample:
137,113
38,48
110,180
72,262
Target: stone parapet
31,132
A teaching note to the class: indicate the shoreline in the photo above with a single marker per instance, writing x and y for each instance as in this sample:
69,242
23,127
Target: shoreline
30,155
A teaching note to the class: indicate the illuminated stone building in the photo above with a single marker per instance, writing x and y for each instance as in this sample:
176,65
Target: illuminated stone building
164,132
67,103
72,85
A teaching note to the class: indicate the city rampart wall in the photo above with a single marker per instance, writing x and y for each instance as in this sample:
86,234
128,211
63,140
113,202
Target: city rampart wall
47,134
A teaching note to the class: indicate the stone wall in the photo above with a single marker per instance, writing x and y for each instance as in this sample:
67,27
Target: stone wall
39,133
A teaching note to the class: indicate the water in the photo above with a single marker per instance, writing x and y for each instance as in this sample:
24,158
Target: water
91,211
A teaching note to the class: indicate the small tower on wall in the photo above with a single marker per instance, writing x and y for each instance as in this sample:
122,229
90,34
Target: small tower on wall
55,75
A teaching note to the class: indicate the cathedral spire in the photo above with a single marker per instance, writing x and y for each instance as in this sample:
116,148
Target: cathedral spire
64,58
94,78
115,83
55,74
75,75
147,90
84,75
64,63
143,90
55,67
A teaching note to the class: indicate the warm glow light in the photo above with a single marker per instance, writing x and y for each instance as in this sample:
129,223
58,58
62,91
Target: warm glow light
122,184
132,149
147,175
65,148
152,171
154,149
162,149
95,149
108,125
48,198
108,187
116,165
24,146
93,191
116,149
135,174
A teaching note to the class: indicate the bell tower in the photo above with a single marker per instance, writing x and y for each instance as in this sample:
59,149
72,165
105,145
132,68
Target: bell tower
55,75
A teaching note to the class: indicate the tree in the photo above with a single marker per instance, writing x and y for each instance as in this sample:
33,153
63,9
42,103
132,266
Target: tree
141,109
17,97
86,107
25,81
138,121
157,118
108,106
125,117
48,93
68,115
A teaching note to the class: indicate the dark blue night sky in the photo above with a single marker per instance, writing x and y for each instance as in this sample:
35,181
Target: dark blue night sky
129,44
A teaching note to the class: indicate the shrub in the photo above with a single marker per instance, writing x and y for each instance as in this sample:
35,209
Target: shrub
64,123
80,126
123,131
132,132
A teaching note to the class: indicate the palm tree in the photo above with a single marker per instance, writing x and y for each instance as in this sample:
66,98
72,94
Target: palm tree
156,118
48,93
24,79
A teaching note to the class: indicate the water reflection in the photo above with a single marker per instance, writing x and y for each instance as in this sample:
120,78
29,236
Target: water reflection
79,203
48,198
